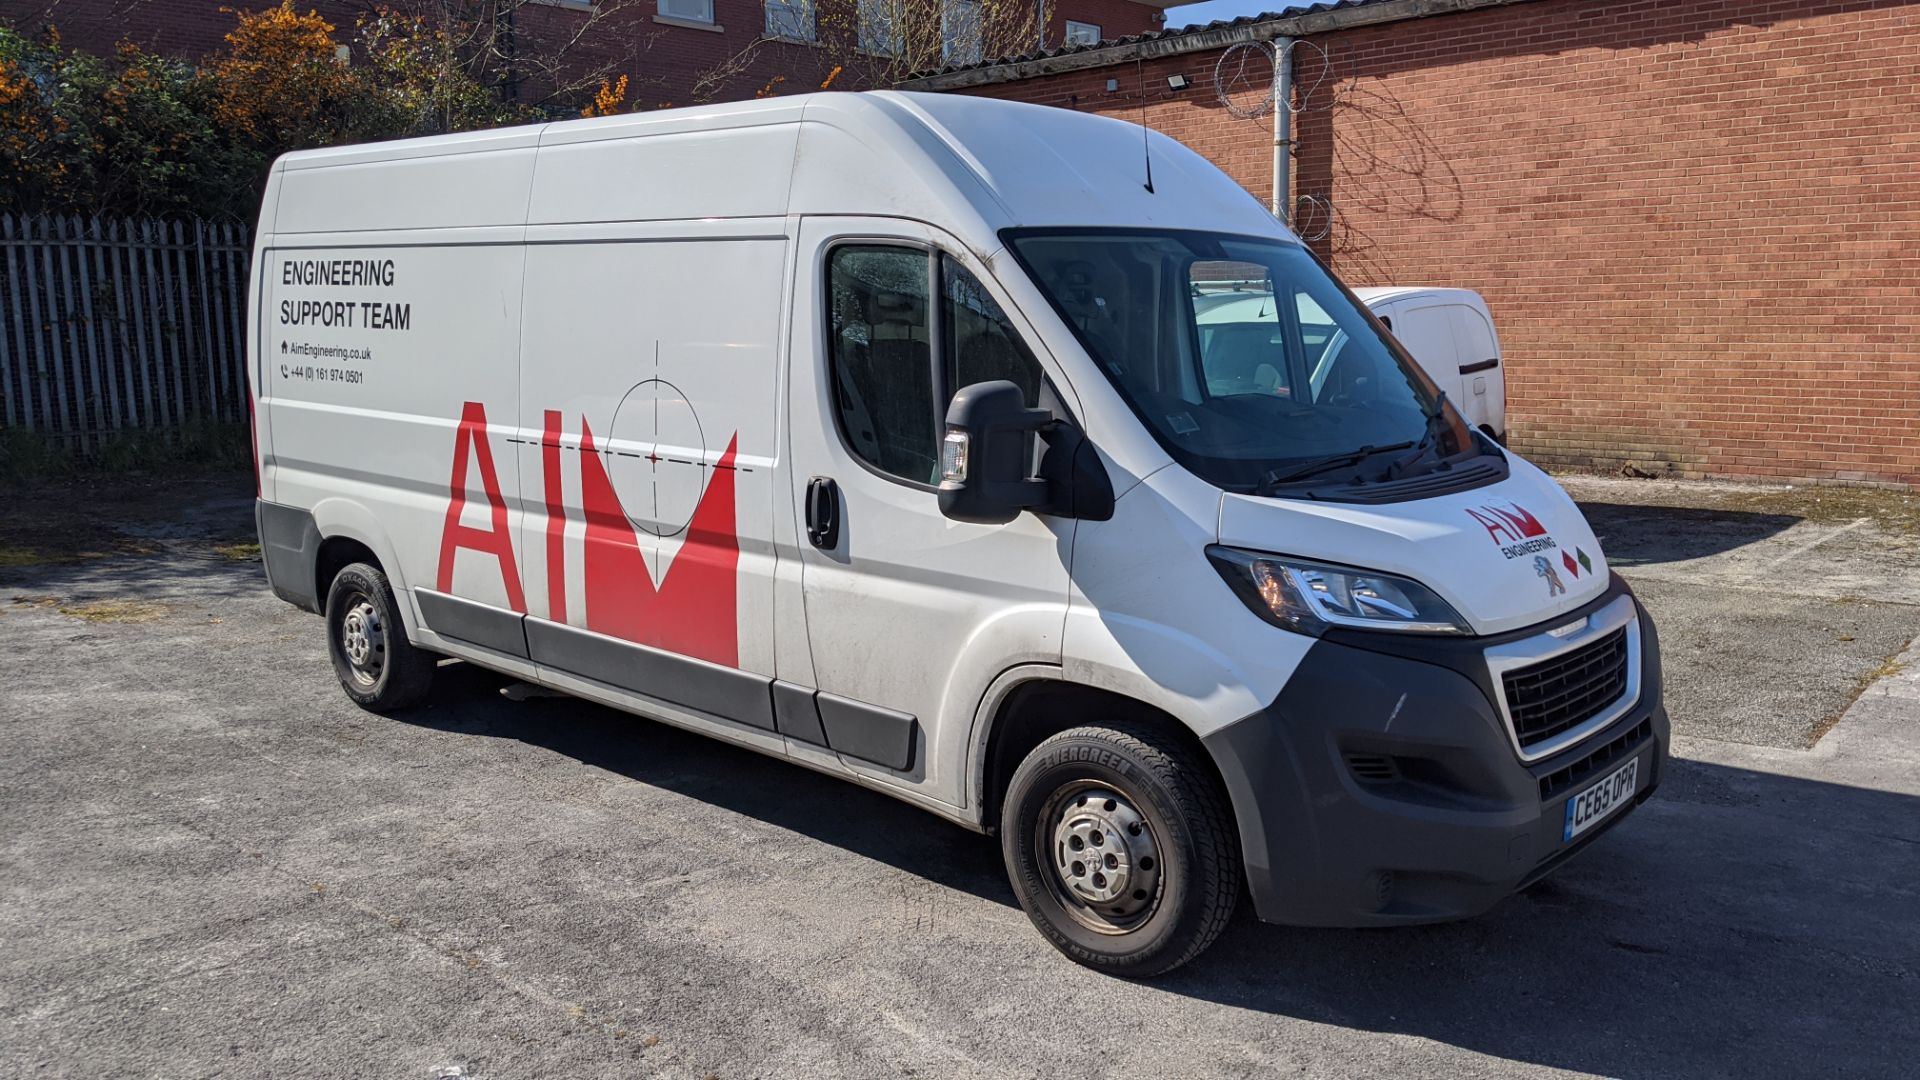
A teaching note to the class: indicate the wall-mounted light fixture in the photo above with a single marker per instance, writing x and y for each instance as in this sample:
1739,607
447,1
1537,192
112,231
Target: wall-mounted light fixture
1113,86
1177,83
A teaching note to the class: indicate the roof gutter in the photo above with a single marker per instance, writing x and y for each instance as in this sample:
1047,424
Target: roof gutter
1177,43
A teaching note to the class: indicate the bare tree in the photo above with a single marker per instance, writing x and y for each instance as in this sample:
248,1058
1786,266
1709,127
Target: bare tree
529,52
864,44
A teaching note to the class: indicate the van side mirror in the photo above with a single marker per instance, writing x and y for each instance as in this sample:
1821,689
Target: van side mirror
986,460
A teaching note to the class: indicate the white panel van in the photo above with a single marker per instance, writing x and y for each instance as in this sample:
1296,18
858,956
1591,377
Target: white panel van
1449,333
890,434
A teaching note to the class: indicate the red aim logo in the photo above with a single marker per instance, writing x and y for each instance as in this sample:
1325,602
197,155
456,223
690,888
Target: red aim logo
693,609
1511,522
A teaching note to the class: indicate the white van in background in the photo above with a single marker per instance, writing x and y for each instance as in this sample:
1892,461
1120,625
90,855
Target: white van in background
909,438
1450,332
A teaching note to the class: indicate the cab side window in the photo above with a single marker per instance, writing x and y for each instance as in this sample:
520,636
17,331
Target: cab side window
981,344
881,355
895,360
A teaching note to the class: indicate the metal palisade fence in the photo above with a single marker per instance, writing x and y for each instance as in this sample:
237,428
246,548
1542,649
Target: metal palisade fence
110,326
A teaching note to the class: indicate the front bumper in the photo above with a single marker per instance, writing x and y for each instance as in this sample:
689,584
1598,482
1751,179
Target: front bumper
1382,786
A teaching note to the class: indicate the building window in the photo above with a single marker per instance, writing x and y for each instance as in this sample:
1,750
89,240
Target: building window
690,10
1082,33
960,31
880,34
791,20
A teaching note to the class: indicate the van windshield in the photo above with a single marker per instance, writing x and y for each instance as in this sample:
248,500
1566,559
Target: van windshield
1252,366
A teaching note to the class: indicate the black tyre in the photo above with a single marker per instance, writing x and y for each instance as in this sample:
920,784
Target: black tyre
1121,847
378,667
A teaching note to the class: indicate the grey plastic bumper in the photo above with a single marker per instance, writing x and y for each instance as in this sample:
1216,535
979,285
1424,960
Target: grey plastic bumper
289,546
1458,824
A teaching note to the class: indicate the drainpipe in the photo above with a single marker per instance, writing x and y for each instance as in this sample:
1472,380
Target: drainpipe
1283,129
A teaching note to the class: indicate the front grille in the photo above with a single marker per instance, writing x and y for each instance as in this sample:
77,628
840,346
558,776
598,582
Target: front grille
1561,693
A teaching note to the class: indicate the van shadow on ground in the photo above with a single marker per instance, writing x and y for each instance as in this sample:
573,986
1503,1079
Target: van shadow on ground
1737,923
1640,535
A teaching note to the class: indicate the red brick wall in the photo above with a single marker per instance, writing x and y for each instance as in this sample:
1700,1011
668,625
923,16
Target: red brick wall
176,27
1697,221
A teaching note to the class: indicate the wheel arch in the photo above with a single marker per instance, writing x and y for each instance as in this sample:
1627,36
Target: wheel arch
1028,705
336,553
350,534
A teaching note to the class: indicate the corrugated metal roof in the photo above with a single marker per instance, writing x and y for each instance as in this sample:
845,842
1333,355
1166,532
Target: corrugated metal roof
1288,12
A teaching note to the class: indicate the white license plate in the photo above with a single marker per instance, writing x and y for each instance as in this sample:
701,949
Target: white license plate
1594,804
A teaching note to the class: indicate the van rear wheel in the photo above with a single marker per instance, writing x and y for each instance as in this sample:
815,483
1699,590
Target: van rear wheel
1121,848
378,667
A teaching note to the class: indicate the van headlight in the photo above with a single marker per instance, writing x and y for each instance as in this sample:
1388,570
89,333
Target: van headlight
1308,597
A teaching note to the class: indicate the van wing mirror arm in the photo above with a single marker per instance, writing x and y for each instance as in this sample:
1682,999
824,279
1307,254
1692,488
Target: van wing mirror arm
1078,485
987,472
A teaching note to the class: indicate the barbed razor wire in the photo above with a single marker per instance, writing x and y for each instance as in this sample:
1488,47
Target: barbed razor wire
1244,79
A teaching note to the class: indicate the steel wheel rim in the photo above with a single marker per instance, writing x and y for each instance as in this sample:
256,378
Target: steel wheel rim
1099,856
363,640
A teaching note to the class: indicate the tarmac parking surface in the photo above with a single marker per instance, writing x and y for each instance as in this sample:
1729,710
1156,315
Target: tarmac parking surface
212,864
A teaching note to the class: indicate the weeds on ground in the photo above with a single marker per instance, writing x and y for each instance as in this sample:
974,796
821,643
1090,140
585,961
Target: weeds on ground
28,457
1890,510
67,509
244,551
116,611
1893,511
108,610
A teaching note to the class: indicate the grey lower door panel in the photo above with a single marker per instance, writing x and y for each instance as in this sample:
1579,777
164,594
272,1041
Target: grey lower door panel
795,713
868,732
711,688
467,620
846,726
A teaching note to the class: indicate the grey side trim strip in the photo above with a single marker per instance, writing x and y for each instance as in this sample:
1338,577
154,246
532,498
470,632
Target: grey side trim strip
289,546
711,688
795,714
867,732
468,620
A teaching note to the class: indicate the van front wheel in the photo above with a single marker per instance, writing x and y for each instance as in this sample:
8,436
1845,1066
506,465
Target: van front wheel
378,667
1121,848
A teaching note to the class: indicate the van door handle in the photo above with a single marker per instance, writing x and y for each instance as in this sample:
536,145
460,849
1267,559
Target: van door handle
823,512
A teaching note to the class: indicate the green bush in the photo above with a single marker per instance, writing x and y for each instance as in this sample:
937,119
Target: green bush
142,134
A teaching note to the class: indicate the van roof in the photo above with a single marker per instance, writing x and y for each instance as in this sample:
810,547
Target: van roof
1380,294
965,163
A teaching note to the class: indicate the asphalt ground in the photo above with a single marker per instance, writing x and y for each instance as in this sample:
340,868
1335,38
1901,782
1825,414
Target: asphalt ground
211,864
1775,605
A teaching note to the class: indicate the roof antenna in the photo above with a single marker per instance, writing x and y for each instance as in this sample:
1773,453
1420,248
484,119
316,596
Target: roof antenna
1146,151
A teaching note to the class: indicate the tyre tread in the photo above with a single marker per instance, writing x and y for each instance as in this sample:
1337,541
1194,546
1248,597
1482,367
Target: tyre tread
409,668
1198,801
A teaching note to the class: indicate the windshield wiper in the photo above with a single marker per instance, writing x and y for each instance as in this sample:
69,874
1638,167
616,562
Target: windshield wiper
1315,466
1427,441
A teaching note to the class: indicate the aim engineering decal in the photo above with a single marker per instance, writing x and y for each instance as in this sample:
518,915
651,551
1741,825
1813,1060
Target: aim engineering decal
692,611
1519,534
